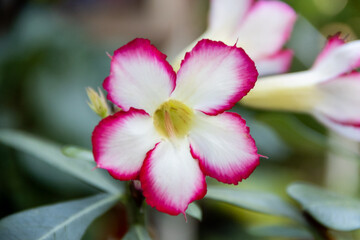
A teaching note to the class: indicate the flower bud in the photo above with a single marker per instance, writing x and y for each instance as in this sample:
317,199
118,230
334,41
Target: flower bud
98,102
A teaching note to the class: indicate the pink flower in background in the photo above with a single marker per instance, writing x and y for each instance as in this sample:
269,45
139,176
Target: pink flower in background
339,87
173,131
261,28
329,90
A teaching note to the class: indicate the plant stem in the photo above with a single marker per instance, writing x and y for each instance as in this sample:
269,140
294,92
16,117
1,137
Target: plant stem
342,172
134,204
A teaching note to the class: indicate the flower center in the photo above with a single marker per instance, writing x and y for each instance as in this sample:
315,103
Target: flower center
173,118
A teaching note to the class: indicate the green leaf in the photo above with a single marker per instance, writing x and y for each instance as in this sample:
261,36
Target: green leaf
303,138
51,153
299,136
304,33
195,211
257,201
280,232
137,232
333,210
62,221
78,152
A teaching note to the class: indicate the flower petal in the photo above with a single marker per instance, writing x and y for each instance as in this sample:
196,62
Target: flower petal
340,60
276,64
333,43
348,131
266,28
171,178
214,76
224,147
225,16
121,141
340,99
140,77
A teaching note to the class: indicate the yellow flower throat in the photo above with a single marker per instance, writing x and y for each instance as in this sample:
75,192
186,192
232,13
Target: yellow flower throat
173,118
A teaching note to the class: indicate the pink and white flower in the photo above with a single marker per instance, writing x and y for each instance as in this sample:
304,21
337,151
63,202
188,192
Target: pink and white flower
260,27
329,90
173,131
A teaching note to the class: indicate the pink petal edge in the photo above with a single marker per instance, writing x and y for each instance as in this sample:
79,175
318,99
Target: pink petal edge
344,130
283,9
355,124
286,57
153,200
250,75
332,43
148,48
349,123
236,176
96,139
278,63
228,11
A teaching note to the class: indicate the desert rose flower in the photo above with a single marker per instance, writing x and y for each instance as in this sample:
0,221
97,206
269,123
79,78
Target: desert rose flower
173,130
329,90
261,28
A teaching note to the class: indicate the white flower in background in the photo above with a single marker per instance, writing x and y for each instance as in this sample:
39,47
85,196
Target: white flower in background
330,90
261,28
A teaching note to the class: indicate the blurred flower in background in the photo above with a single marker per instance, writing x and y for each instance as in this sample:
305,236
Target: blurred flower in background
261,28
328,91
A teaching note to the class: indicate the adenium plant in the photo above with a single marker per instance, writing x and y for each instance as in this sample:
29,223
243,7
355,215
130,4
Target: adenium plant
328,90
173,130
261,28
166,128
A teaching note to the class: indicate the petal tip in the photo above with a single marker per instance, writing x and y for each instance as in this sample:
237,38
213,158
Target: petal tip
242,68
105,132
129,64
158,196
227,168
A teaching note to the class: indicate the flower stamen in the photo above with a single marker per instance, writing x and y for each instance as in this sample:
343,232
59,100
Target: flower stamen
173,119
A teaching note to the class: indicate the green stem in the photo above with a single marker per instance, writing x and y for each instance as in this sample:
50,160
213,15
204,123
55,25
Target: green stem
134,203
342,174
